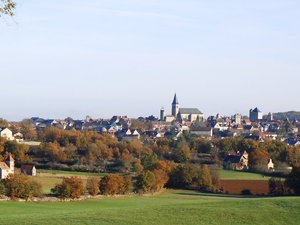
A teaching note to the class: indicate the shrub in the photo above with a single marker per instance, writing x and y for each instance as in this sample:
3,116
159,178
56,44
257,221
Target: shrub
69,188
246,192
92,186
20,186
115,184
277,187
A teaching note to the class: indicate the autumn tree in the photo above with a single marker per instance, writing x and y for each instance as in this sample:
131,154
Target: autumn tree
17,150
113,184
21,186
92,186
71,187
28,130
161,178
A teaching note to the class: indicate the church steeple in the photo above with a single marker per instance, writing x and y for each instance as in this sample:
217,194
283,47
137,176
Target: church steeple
175,100
175,106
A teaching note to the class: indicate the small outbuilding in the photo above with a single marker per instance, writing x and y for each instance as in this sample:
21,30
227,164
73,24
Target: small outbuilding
28,170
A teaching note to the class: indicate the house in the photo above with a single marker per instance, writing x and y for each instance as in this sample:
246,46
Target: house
270,164
202,131
6,133
7,167
18,137
28,170
292,142
236,162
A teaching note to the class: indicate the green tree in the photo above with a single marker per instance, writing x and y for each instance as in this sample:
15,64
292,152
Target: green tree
204,179
183,175
293,180
182,154
145,182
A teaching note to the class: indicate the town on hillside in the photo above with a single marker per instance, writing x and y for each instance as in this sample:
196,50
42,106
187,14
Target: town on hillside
255,126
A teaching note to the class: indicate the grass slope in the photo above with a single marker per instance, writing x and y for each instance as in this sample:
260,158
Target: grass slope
172,207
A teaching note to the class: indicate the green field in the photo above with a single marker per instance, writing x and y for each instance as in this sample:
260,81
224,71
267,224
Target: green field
172,207
48,178
239,175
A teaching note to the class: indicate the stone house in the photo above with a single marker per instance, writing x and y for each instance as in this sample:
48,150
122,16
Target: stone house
236,162
7,167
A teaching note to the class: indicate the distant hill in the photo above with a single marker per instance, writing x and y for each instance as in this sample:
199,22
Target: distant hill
283,115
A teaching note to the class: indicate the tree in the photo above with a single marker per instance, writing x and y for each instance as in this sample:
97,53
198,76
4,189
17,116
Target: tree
161,178
293,180
146,182
204,179
28,130
182,153
7,7
69,188
183,175
92,186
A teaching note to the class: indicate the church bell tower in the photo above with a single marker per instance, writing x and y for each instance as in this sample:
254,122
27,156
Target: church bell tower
175,106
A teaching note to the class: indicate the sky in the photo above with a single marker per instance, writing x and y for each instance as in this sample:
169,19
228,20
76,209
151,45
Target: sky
61,58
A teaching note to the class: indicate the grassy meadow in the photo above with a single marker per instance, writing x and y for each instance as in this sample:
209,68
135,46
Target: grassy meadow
170,207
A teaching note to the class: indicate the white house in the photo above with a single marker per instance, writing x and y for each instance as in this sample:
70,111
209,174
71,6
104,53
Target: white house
6,133
7,167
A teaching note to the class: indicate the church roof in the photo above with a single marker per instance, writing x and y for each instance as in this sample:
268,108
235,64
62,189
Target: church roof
256,110
189,111
175,100
3,166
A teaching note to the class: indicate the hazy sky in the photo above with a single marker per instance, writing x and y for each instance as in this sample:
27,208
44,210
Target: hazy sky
62,58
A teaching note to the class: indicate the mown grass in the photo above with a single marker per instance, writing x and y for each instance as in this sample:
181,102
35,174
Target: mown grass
240,175
172,207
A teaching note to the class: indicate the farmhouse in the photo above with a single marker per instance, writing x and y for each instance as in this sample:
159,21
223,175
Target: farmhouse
7,167
237,162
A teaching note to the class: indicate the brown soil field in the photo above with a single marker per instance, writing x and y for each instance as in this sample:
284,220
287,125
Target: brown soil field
257,187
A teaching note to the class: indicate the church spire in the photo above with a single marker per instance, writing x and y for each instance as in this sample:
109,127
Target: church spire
175,100
175,106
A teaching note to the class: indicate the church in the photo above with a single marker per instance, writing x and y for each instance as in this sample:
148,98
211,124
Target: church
184,114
